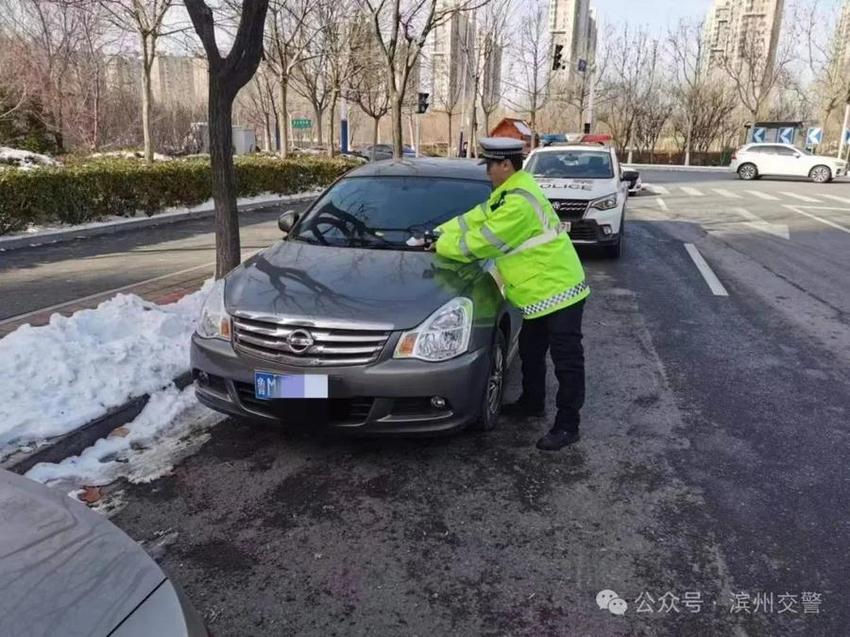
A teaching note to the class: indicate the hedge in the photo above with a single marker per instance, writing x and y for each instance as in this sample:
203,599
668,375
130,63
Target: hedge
91,191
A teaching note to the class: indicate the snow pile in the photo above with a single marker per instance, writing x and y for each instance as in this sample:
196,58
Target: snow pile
170,427
64,374
23,159
129,154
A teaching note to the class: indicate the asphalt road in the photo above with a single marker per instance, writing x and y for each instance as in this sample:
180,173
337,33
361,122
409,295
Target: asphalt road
713,463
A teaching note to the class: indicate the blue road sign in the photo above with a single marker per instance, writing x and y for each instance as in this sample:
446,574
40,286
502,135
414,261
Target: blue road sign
814,136
582,65
847,135
759,135
785,136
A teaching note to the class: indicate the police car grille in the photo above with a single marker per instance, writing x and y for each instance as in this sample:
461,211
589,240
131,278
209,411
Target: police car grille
331,347
570,208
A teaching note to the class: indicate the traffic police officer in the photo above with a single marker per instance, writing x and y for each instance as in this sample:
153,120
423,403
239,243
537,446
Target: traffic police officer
518,229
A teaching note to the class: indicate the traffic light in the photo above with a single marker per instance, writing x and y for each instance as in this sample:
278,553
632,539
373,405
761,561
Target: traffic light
422,105
558,60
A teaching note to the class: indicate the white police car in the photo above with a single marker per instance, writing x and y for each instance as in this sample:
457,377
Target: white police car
588,191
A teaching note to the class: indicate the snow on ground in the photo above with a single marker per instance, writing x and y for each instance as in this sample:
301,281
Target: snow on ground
171,426
129,154
23,159
63,375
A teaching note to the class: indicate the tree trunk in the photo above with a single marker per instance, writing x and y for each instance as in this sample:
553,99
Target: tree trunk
331,126
227,248
319,114
283,117
146,110
451,136
375,135
397,126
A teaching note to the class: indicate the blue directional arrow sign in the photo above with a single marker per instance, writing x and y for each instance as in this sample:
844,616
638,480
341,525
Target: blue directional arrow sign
785,136
814,136
847,135
759,135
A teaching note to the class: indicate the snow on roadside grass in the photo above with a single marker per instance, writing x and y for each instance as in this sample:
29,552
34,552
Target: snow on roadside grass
23,159
170,426
62,375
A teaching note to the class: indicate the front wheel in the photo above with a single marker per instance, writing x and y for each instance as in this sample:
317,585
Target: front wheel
820,174
748,172
491,401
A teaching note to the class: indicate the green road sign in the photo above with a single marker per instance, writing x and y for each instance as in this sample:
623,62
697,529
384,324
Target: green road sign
302,123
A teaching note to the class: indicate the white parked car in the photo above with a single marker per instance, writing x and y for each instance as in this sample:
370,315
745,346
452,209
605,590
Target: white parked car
588,190
784,160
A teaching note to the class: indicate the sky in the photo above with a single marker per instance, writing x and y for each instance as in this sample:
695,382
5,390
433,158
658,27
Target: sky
655,14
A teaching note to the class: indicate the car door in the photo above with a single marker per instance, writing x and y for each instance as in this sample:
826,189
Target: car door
766,159
789,162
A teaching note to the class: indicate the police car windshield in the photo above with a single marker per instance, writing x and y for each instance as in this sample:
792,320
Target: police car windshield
384,212
571,164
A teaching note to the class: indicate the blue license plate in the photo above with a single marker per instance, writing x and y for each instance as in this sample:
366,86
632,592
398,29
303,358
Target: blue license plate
269,386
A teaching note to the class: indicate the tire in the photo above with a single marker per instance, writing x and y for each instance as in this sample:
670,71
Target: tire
748,172
614,250
820,174
491,401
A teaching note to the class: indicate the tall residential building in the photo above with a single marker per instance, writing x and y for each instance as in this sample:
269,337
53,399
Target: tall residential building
572,27
453,59
743,31
490,53
842,38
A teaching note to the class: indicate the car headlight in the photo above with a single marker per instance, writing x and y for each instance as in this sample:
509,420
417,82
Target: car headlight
604,203
214,321
444,335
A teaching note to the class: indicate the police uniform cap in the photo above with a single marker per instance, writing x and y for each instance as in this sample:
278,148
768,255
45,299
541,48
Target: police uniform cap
500,148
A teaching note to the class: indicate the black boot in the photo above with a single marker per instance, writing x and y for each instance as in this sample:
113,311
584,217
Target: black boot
523,409
558,439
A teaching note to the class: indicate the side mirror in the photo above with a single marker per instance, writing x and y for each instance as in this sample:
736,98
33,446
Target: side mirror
287,221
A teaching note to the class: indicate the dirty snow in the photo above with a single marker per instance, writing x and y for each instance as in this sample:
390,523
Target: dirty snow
62,375
170,427
23,159
129,154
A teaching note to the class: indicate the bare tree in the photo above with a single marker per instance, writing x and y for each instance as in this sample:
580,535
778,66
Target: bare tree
227,75
447,94
291,28
402,28
830,72
368,86
492,23
530,70
146,18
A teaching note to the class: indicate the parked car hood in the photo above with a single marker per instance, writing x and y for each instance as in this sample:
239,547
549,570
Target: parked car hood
65,570
577,188
397,289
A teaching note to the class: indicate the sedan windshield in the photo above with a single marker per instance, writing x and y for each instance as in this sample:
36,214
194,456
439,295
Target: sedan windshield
385,212
571,164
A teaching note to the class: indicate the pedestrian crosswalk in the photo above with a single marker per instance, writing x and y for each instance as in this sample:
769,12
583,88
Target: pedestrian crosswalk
708,194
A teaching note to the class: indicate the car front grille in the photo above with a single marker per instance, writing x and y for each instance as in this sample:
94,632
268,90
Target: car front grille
584,232
339,411
570,208
306,345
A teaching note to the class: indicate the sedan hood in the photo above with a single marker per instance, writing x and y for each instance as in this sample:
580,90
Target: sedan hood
65,570
584,189
396,289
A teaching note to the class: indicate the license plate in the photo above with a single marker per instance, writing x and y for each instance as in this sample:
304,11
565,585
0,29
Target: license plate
269,386
565,226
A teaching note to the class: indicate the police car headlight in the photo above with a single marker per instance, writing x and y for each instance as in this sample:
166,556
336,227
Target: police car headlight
604,203
444,335
214,321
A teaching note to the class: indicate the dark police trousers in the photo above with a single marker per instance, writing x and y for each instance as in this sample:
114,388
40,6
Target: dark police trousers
560,334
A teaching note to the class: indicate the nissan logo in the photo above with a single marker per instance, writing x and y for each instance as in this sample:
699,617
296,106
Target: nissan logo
300,341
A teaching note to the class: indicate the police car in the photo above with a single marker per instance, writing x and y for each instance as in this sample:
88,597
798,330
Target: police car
588,191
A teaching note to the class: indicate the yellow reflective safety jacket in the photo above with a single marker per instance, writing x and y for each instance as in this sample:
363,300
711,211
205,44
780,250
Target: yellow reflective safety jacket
518,229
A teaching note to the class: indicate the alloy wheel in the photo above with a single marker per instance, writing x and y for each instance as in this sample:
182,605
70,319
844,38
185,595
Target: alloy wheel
496,380
820,174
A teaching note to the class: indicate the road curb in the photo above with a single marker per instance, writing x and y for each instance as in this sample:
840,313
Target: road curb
87,231
74,442
676,168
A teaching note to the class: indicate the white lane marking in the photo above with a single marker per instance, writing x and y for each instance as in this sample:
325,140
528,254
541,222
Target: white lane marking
662,204
754,221
837,198
83,299
705,270
660,190
763,195
794,195
726,193
816,218
693,192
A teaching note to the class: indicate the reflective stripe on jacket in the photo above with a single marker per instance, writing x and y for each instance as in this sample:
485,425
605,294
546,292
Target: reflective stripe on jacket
518,229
